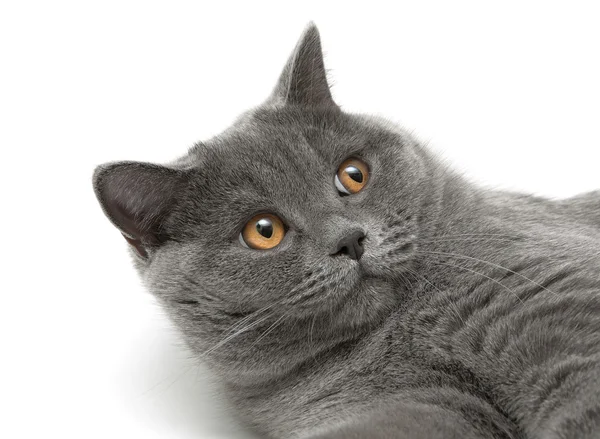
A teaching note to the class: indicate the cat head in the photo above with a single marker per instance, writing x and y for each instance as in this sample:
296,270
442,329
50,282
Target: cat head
283,236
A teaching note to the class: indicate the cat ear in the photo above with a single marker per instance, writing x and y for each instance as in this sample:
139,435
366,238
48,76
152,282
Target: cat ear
304,78
136,198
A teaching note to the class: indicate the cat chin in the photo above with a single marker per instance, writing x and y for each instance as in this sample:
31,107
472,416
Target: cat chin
361,294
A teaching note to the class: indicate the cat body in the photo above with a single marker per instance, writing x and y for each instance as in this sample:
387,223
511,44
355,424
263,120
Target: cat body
418,306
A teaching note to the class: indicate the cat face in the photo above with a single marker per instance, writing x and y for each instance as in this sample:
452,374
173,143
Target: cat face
254,249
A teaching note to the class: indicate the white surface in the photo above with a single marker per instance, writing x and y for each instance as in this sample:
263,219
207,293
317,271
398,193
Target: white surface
509,93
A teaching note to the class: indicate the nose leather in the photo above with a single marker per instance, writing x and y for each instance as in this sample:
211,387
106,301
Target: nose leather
350,245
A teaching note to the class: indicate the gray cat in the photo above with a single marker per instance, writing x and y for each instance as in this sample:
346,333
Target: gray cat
343,283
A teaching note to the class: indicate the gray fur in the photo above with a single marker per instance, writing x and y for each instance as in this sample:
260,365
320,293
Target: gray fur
471,314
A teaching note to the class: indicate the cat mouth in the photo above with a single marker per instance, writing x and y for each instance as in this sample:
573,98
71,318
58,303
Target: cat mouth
369,270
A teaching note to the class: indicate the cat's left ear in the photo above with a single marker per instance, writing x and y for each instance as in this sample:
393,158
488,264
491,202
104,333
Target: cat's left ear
303,81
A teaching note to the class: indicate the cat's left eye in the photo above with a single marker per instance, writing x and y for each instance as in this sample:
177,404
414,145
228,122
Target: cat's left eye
262,232
352,176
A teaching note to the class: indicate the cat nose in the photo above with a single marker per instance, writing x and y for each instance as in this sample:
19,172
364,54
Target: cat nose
351,245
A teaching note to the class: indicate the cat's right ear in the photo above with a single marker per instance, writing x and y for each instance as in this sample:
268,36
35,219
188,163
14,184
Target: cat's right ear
136,198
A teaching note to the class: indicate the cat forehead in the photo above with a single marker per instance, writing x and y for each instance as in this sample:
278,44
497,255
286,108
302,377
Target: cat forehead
265,146
264,166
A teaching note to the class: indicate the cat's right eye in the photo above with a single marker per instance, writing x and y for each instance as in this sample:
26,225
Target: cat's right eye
262,232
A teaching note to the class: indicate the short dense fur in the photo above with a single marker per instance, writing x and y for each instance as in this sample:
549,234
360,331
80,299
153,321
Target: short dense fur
471,314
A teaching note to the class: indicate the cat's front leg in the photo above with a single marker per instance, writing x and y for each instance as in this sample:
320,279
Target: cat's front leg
434,413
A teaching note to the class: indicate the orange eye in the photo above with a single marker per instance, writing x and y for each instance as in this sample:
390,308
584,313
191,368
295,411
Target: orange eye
263,232
352,176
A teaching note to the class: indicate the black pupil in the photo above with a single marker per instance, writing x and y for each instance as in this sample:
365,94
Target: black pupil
264,227
354,174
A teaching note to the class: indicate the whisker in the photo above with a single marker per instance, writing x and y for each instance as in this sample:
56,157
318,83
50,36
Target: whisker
467,239
237,333
171,382
242,321
481,274
234,330
310,332
456,255
405,281
450,303
269,329
494,235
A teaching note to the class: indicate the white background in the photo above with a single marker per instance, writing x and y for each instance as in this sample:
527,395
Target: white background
508,93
